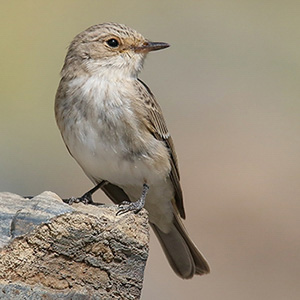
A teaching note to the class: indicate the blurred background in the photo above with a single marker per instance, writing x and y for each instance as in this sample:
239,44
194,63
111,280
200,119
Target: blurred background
229,88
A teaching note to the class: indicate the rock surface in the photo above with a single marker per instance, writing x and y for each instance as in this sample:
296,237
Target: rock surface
51,250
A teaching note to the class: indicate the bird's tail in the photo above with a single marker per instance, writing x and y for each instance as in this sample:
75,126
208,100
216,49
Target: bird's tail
182,254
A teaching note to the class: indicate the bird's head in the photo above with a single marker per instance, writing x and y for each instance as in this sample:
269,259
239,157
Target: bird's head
111,48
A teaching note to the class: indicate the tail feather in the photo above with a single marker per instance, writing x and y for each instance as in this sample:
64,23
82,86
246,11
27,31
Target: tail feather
182,254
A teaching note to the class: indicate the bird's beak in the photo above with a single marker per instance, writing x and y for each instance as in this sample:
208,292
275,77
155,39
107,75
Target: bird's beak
150,46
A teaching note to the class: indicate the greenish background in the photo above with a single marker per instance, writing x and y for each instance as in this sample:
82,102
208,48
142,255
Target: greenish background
229,89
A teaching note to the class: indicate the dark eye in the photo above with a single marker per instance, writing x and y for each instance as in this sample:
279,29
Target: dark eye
112,43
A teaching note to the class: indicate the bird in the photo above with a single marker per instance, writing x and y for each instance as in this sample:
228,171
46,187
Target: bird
113,126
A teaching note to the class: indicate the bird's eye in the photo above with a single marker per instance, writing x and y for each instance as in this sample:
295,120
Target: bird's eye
112,43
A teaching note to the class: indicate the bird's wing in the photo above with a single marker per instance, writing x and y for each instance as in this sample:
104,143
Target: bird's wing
158,128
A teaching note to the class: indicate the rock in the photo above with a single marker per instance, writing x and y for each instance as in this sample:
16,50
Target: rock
51,250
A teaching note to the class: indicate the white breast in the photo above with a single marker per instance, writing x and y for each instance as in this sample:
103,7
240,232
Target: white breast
103,134
100,140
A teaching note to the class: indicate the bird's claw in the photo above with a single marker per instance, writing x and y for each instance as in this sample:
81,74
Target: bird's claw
136,206
126,206
85,199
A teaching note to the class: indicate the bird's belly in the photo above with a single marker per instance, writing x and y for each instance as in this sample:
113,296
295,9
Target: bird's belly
111,159
101,160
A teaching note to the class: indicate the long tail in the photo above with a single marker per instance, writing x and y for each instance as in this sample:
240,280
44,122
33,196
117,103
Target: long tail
182,254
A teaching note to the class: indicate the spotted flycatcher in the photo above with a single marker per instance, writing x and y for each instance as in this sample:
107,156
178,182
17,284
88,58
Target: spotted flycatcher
114,128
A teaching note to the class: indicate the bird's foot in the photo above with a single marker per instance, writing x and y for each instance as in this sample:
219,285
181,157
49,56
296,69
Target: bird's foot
85,199
126,206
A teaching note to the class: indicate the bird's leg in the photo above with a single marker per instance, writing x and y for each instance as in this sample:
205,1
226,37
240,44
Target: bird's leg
136,206
87,197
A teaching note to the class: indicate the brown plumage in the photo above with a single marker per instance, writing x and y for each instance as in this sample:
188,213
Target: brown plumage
114,128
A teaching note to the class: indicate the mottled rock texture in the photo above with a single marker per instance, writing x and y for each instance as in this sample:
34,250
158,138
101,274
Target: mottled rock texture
51,250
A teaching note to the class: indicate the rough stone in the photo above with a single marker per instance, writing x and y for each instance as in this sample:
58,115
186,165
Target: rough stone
51,250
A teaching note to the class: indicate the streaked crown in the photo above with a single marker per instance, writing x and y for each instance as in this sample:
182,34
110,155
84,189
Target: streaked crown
109,46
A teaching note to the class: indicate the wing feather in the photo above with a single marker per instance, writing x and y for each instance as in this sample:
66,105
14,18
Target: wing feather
158,128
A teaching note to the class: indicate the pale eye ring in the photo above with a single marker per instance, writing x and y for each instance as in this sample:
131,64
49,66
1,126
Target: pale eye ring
113,43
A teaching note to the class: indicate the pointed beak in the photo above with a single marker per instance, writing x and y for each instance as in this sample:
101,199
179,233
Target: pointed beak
150,46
